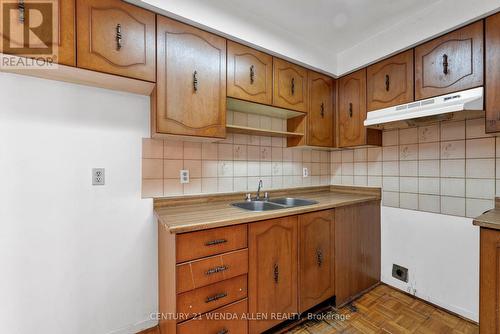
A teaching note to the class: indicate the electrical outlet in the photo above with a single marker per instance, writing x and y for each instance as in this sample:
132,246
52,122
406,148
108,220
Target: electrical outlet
98,176
305,172
184,175
400,273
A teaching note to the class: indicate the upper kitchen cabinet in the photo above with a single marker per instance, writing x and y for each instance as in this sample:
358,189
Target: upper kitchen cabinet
390,82
320,116
492,84
290,85
64,39
352,112
191,81
450,63
117,38
249,74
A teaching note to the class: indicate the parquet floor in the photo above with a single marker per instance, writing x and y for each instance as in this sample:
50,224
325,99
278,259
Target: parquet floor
386,310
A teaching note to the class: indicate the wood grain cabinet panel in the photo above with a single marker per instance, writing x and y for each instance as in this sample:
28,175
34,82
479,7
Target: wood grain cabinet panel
357,250
290,85
390,82
64,39
352,112
316,258
450,63
489,291
320,115
117,38
272,276
249,74
191,81
492,64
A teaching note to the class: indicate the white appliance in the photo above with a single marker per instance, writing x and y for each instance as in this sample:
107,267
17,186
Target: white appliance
457,105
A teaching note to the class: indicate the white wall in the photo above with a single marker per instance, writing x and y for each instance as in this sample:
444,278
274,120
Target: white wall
75,258
441,253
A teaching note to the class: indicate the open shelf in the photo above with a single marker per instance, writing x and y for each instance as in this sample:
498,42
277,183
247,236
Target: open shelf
261,132
261,109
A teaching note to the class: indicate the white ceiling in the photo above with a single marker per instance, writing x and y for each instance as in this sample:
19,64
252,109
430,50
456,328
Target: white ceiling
335,36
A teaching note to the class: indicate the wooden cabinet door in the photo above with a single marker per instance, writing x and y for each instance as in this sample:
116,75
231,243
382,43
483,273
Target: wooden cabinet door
390,82
320,115
290,85
316,258
191,81
64,35
450,63
117,38
249,74
492,77
272,276
357,250
489,278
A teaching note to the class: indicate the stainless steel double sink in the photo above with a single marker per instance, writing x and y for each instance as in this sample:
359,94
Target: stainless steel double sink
273,204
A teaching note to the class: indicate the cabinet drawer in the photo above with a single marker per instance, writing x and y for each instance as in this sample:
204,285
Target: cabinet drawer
116,37
212,296
195,245
199,273
227,319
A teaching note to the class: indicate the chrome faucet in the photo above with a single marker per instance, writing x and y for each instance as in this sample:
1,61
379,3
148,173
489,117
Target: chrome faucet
257,197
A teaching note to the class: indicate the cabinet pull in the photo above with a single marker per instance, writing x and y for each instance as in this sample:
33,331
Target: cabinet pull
118,37
223,331
215,297
319,257
387,82
195,86
350,110
276,273
445,64
216,270
252,74
20,7
293,86
322,110
216,241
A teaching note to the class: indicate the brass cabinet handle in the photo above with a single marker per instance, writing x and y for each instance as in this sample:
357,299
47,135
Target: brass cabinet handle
252,74
118,36
445,64
276,273
21,8
350,109
319,257
293,86
195,84
216,270
215,297
387,82
216,241
322,110
223,331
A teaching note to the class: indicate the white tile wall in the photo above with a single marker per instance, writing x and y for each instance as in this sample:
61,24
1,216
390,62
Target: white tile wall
452,167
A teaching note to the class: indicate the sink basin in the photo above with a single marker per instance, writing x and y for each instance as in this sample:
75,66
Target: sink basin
292,202
257,206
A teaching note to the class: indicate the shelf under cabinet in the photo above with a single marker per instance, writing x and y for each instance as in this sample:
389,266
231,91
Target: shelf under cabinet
261,132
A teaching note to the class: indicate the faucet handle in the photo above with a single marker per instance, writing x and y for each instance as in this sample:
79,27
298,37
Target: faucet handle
248,197
266,196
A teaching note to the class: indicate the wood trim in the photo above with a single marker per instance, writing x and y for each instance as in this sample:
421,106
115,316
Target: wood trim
167,293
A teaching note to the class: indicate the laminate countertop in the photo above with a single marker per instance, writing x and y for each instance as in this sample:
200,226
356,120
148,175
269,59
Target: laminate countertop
179,217
491,218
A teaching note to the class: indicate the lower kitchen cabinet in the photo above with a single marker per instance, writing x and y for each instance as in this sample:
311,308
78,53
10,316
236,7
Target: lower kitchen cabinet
272,275
316,258
357,250
489,295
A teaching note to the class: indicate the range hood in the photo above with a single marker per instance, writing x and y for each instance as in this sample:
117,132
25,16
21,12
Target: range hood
460,105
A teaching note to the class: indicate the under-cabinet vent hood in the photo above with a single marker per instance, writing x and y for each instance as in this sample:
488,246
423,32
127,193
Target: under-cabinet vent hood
460,105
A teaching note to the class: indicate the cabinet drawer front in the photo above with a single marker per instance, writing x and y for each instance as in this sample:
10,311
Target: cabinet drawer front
196,274
249,74
450,63
212,296
195,245
290,85
390,82
191,90
224,320
116,37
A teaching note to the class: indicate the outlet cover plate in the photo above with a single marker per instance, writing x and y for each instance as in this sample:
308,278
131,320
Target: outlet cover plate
98,177
184,176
